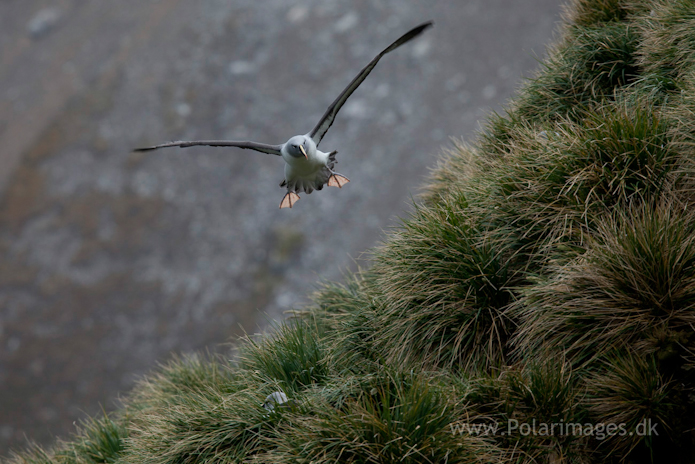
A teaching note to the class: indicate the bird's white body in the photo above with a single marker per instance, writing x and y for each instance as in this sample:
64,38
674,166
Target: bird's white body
306,173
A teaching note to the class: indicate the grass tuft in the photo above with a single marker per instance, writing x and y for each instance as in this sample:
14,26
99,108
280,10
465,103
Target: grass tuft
629,391
183,375
583,72
208,425
34,454
397,417
595,12
100,441
637,278
96,441
545,396
442,290
668,31
457,171
348,311
555,183
293,354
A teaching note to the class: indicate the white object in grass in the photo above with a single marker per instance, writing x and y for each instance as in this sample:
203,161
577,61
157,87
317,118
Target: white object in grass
274,398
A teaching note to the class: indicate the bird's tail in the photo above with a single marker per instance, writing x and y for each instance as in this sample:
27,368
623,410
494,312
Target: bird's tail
331,159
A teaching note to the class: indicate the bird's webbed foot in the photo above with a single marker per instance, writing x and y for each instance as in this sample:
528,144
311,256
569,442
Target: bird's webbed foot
337,180
289,200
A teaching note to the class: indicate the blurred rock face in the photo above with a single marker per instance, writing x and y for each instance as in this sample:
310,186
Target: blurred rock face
110,261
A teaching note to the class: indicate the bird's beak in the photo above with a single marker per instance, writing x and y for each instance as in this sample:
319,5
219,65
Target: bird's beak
301,147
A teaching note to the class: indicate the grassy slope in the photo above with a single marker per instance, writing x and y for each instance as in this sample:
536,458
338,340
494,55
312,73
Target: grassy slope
547,274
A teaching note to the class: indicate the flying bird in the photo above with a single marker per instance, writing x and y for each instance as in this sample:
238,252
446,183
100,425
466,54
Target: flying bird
306,167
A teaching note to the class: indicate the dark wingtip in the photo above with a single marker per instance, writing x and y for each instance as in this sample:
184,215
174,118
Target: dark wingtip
427,24
421,28
408,36
140,150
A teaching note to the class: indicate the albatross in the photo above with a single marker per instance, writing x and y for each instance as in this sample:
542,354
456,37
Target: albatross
306,167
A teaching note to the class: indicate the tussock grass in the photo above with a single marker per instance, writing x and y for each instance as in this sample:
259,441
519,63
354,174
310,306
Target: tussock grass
96,441
521,399
348,312
668,30
636,279
552,184
197,409
293,355
593,12
396,417
680,111
629,389
34,454
546,276
442,290
583,72
626,153
183,375
202,426
457,172
546,393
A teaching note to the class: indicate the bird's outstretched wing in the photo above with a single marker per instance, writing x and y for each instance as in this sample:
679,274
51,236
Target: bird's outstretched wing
262,147
329,116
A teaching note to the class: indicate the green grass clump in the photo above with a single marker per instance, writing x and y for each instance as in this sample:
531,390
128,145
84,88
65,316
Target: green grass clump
681,113
181,376
200,410
593,12
442,290
348,311
624,152
553,184
293,355
458,172
545,279
668,29
546,393
396,417
96,441
636,280
202,426
584,72
519,400
100,441
629,389
34,454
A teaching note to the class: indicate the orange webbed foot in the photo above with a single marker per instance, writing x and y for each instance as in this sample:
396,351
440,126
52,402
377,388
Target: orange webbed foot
289,200
336,180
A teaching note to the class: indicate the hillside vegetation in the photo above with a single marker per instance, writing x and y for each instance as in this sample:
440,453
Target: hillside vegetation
544,284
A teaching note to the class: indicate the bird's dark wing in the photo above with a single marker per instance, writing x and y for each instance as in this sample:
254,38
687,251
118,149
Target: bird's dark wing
328,117
262,147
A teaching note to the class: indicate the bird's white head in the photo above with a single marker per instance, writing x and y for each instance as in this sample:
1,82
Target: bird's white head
300,146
